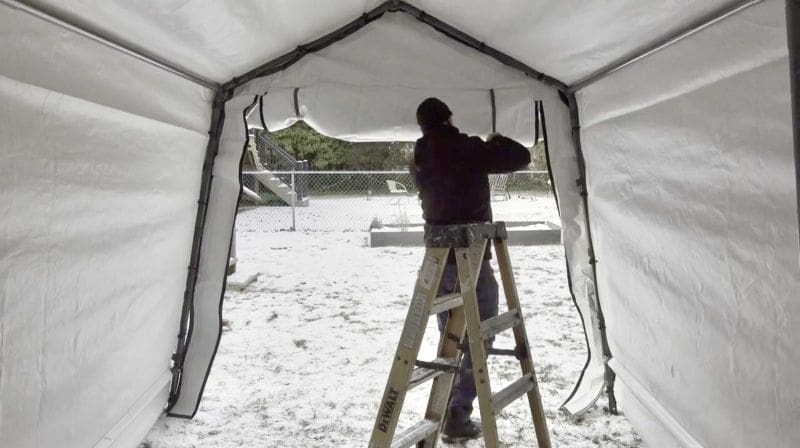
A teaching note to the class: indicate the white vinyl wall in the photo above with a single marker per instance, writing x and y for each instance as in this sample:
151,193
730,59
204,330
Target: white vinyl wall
356,89
100,161
693,210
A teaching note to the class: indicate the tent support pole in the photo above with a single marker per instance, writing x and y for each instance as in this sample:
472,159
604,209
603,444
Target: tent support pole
185,330
698,25
284,61
53,17
610,376
793,39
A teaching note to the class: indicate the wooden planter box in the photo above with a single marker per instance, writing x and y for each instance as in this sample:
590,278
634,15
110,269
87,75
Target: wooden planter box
523,233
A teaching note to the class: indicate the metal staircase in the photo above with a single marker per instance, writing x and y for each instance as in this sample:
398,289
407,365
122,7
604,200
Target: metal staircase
277,171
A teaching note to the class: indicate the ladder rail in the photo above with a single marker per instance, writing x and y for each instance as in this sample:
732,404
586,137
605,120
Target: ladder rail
480,370
521,339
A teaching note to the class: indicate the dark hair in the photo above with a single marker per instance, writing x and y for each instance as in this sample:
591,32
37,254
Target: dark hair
432,112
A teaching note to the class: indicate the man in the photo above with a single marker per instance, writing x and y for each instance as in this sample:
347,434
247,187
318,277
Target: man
451,171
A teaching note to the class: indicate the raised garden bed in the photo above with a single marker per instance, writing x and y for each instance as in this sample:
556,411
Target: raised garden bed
521,233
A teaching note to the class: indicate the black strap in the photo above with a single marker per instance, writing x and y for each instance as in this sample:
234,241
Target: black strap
296,103
494,111
543,124
261,111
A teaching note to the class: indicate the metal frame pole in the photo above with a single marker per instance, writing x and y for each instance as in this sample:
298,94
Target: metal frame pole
704,22
186,323
48,14
793,40
610,376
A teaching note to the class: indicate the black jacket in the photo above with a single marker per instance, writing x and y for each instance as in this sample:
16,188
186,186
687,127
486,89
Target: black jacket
451,171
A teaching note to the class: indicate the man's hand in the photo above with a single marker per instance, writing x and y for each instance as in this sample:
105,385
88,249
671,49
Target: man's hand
498,154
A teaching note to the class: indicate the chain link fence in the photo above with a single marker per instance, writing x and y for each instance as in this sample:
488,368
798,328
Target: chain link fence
336,201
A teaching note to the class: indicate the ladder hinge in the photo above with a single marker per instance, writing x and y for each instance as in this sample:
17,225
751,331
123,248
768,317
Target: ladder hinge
447,368
518,352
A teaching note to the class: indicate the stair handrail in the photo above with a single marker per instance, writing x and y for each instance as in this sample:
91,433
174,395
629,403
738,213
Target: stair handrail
274,146
287,162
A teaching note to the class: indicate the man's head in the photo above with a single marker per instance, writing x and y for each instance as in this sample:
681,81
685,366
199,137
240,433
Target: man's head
432,112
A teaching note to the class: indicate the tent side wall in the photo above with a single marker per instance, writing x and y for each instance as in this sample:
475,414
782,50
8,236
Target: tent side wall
693,204
99,173
352,90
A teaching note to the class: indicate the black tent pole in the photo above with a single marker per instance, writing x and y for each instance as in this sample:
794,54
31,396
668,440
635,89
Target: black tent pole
186,322
610,376
793,38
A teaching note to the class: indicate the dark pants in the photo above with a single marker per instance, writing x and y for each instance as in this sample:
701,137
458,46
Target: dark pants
464,392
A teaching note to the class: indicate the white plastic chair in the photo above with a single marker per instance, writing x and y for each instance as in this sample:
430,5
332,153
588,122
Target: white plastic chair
498,186
396,187
397,190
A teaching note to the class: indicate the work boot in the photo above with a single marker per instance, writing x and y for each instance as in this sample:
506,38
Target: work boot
458,431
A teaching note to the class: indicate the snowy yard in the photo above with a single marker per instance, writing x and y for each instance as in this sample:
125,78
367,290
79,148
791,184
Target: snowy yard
306,350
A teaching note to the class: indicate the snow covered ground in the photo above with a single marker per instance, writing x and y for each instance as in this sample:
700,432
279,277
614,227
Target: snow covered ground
306,349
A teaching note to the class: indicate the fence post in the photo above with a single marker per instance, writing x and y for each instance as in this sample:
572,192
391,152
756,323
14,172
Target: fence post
294,199
304,179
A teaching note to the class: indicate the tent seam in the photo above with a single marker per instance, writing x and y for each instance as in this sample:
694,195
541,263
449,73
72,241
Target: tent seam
103,105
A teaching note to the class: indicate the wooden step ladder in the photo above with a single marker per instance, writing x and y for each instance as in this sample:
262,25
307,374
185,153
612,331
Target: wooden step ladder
469,243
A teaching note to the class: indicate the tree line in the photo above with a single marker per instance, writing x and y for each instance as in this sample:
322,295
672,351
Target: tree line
326,153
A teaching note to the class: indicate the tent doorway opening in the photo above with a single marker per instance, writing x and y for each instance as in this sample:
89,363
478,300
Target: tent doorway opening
307,346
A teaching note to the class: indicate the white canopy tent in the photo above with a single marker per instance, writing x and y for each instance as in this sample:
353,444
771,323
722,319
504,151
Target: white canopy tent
669,133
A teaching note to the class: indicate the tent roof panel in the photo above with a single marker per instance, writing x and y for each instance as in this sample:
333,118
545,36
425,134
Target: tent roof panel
399,51
553,38
211,38
215,40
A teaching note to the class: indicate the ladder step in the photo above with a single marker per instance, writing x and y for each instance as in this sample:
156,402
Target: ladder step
502,322
428,372
446,302
517,352
513,391
420,431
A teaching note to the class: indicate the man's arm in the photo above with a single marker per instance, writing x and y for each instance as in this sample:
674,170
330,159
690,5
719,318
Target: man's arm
498,155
